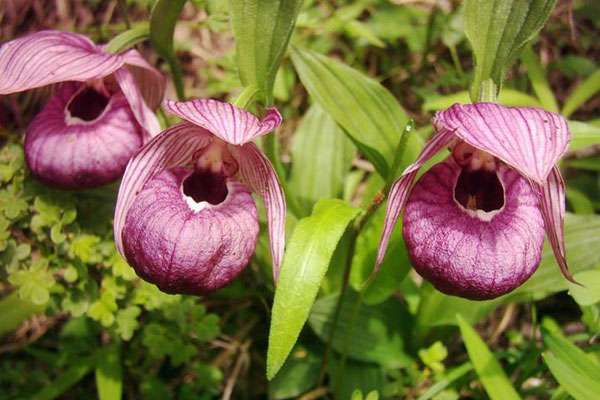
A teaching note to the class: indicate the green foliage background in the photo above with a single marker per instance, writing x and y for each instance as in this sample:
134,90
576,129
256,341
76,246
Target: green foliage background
76,322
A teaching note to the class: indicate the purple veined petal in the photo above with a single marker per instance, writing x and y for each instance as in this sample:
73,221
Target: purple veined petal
150,81
256,171
171,148
142,112
230,123
48,57
552,205
81,139
530,140
401,189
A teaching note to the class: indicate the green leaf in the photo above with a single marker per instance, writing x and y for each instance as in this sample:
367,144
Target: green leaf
382,333
508,97
304,265
322,156
497,31
109,373
438,309
262,30
576,371
299,373
447,380
129,38
583,134
34,283
354,376
433,356
537,76
127,322
14,311
589,292
77,370
584,91
367,112
579,201
494,380
394,268
582,240
588,163
162,26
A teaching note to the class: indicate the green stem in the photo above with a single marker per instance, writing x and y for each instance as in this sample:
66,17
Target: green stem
488,91
399,153
456,60
338,306
177,73
129,38
246,97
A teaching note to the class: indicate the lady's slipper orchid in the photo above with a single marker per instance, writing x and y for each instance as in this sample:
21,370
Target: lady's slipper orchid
185,219
100,113
474,223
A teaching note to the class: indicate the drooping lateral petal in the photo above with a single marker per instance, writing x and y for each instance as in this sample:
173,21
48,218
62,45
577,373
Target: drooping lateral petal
144,115
149,80
171,148
48,57
531,140
552,205
256,171
232,124
400,190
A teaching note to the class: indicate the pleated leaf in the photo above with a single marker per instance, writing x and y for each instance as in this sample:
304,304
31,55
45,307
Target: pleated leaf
322,155
262,30
497,31
367,112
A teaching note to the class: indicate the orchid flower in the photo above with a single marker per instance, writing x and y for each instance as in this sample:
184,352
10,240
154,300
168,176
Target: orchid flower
474,223
185,219
100,112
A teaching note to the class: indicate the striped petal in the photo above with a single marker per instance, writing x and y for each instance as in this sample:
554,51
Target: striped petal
230,123
48,57
530,140
401,189
150,81
552,204
256,171
172,148
140,109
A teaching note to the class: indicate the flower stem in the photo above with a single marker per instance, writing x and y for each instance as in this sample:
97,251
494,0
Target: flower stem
177,74
488,91
246,97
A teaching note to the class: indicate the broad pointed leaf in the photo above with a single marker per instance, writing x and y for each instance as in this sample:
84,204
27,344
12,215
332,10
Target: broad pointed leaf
494,379
304,265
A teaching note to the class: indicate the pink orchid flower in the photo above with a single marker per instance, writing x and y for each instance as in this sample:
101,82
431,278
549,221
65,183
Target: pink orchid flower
185,218
474,223
100,113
